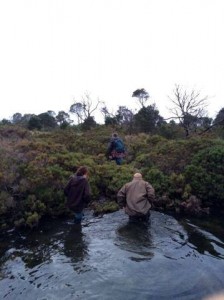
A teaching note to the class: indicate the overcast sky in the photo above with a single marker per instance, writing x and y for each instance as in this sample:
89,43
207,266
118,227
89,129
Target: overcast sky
53,51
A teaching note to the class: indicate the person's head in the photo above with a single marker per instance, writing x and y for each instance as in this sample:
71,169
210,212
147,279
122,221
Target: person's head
137,176
82,171
114,135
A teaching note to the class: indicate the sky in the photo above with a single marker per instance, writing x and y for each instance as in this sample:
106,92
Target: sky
54,51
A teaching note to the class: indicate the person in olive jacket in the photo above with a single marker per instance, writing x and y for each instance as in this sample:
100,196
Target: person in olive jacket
78,192
136,197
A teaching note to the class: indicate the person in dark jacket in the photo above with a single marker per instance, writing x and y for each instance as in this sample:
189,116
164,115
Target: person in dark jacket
77,192
136,197
116,149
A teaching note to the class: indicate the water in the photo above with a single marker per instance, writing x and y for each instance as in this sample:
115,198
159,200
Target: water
108,258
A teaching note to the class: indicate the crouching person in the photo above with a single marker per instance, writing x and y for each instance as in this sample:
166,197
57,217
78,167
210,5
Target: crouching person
77,192
136,198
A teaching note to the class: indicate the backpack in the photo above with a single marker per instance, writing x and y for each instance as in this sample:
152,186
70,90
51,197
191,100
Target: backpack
118,145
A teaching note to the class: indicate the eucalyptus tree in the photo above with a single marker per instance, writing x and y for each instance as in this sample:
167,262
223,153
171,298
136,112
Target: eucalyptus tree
124,115
109,117
17,118
148,119
142,96
63,118
47,120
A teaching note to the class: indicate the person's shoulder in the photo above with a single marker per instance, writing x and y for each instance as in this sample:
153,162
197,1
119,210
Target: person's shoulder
148,184
71,178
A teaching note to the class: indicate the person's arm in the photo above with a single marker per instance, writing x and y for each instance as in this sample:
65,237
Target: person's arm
109,149
150,192
67,188
87,193
121,197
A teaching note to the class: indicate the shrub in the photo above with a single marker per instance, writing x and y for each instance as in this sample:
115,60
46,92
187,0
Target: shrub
205,175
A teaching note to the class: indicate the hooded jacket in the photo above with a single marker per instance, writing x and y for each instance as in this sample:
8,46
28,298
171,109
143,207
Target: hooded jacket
136,197
111,150
77,192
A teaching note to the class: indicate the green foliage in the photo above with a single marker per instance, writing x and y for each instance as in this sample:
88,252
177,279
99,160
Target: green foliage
108,178
106,207
34,123
205,175
88,123
32,219
159,181
177,186
35,167
148,119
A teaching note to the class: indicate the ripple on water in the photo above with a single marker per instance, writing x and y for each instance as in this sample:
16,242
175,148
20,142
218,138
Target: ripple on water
109,258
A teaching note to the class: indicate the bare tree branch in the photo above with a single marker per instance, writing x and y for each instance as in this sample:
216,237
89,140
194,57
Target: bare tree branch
188,107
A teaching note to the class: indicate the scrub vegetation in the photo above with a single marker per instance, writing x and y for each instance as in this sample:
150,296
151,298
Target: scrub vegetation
38,154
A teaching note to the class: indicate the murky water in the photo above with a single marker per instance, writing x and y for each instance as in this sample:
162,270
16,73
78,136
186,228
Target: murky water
108,258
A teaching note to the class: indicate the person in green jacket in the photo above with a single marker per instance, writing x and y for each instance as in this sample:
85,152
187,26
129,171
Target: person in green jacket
136,197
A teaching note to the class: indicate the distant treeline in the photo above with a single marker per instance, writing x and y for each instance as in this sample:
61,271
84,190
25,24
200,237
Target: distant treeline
187,110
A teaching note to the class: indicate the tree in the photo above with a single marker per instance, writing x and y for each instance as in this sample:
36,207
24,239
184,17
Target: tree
47,120
142,96
63,119
148,119
34,123
189,108
219,119
77,109
109,118
26,118
17,118
5,122
88,123
84,108
124,115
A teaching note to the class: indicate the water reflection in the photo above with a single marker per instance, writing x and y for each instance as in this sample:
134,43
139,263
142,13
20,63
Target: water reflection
76,247
203,241
135,238
168,259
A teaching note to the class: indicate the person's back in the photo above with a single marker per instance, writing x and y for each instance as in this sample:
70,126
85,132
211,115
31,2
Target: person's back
77,192
136,197
116,149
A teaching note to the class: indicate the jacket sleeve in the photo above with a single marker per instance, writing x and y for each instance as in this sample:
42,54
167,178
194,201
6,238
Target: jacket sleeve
150,192
121,197
110,148
87,193
67,188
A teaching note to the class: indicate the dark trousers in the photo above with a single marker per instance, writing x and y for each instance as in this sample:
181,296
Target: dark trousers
118,160
78,217
140,219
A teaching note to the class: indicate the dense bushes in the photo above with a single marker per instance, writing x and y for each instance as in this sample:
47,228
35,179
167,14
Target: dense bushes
205,174
35,167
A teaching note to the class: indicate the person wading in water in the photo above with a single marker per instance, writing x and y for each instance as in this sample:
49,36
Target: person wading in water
78,192
136,197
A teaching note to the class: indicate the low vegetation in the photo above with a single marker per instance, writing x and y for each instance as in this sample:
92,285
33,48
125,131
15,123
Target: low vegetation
35,166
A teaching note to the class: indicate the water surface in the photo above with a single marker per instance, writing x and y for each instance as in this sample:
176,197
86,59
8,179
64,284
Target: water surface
109,258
